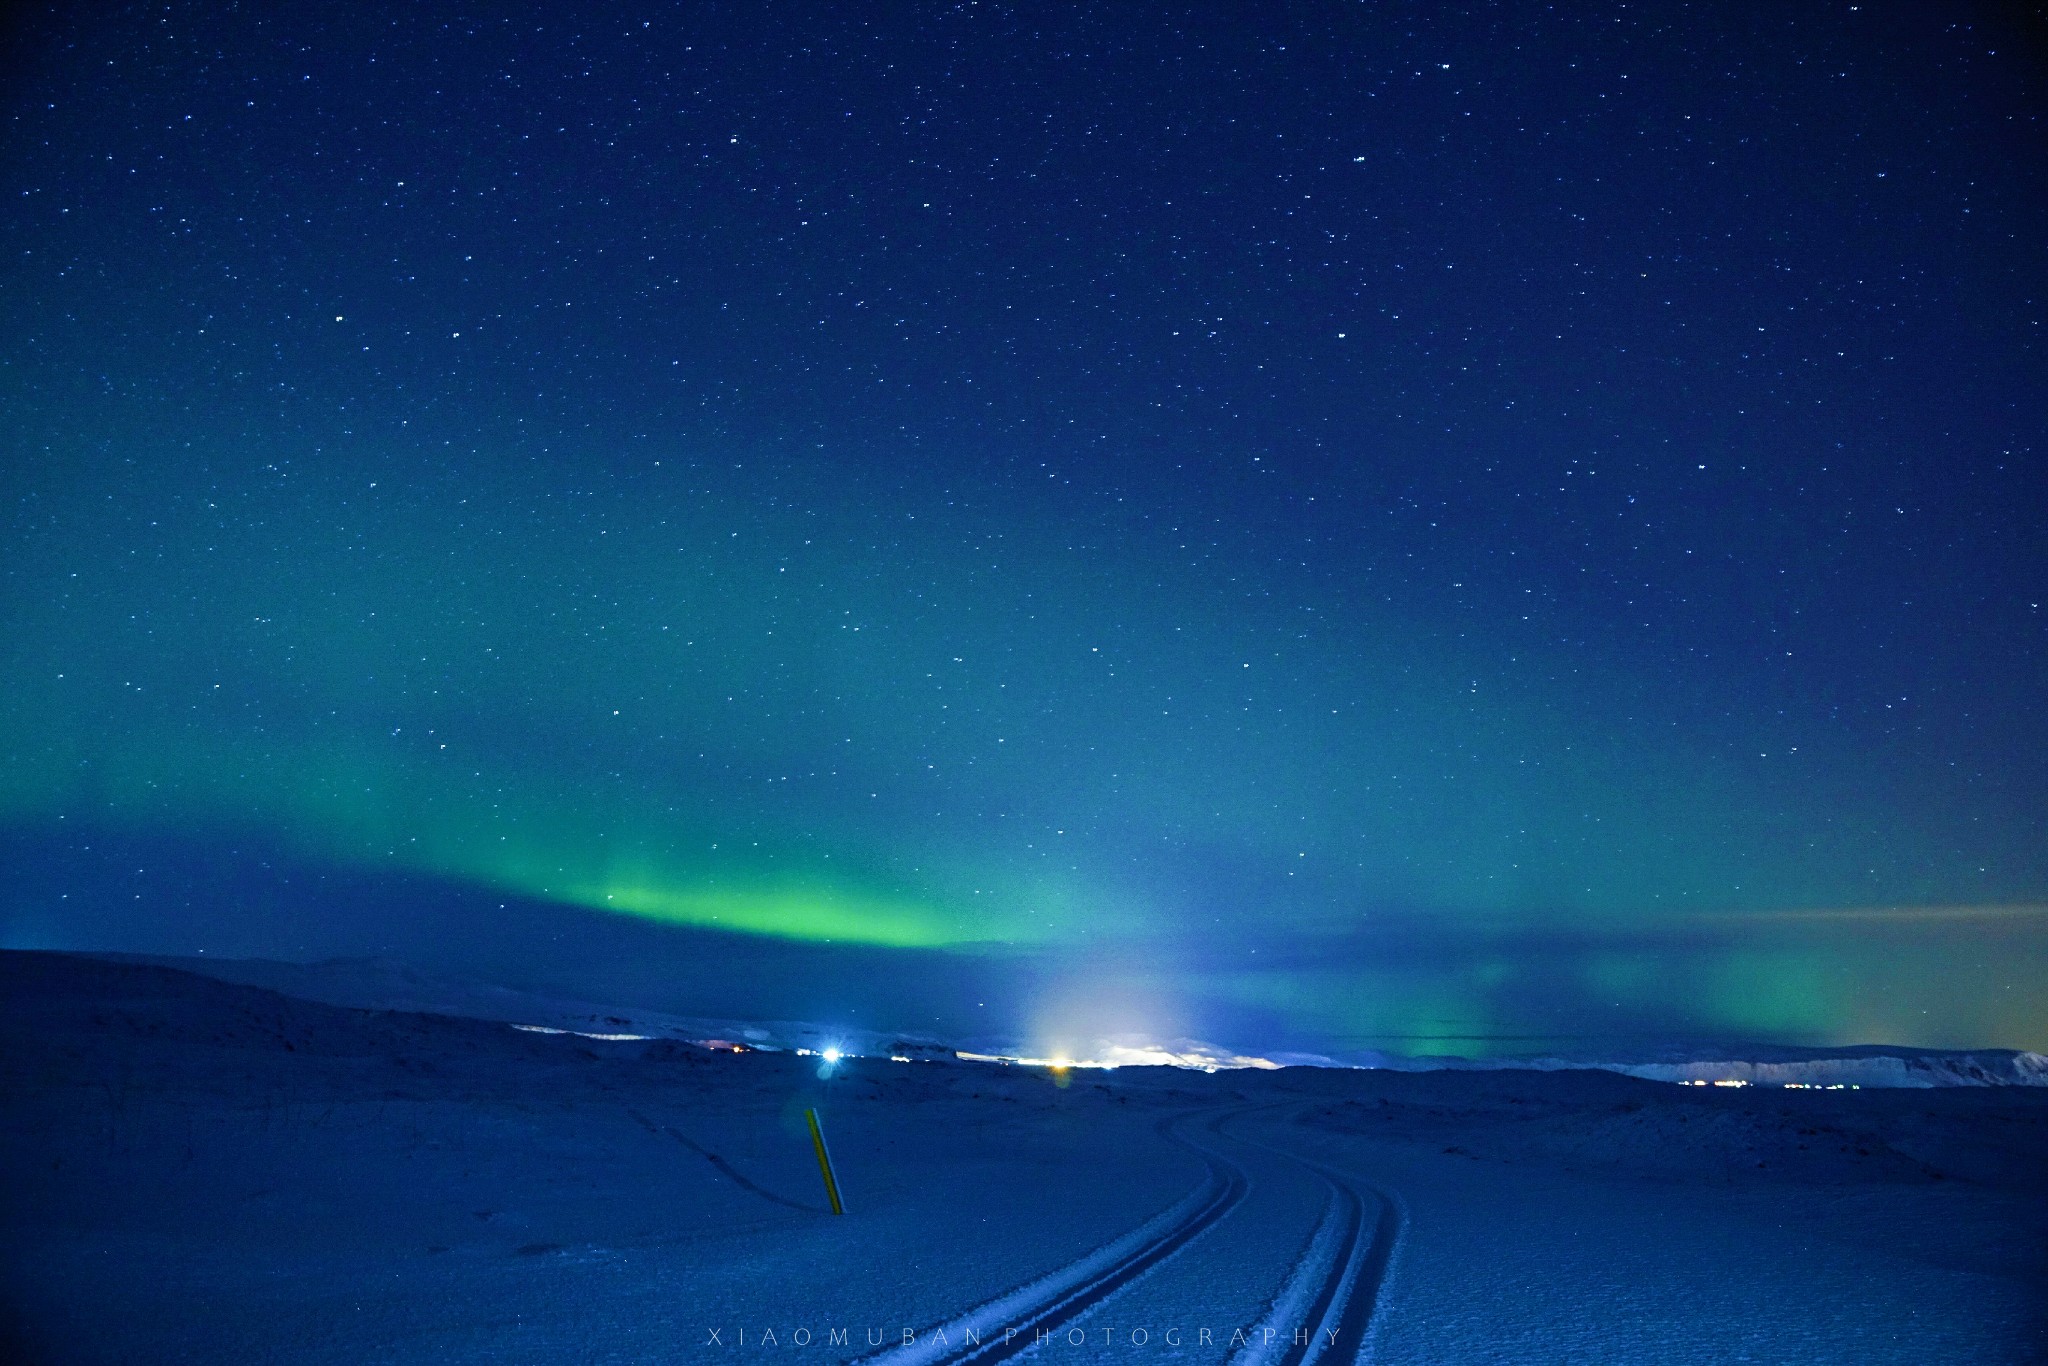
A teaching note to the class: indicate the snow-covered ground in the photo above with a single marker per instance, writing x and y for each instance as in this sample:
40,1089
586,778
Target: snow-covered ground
207,1171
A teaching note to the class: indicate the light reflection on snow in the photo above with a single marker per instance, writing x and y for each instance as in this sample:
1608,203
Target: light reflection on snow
579,1033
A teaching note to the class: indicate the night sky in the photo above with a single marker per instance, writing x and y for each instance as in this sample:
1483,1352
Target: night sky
1328,525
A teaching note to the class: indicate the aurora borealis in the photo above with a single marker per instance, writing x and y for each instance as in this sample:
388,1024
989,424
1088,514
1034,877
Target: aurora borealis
1336,527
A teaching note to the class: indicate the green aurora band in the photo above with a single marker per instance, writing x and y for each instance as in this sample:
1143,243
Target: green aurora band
685,701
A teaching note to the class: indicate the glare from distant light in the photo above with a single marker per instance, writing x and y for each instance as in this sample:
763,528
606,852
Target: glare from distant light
1196,1057
831,1055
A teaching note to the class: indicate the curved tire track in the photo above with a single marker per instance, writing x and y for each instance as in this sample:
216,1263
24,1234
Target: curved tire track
1009,1324
1336,1284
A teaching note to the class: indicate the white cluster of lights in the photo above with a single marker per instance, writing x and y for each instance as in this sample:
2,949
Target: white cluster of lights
1059,1064
1119,1055
1789,1085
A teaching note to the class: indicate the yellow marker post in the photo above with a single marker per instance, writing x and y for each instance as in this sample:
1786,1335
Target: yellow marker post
825,1162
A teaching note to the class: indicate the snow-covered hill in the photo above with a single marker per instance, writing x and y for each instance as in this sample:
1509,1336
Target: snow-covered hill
1903,1068
1871,1065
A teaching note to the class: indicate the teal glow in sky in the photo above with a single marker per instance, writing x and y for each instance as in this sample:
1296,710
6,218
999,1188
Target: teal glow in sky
874,519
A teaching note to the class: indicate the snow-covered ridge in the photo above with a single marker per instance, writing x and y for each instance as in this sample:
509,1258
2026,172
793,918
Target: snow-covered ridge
385,984
1989,1068
1868,1065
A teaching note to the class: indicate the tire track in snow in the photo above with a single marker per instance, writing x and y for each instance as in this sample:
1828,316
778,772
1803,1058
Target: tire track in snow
1334,1288
1010,1323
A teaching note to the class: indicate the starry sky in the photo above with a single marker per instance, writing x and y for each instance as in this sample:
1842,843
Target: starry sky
1443,529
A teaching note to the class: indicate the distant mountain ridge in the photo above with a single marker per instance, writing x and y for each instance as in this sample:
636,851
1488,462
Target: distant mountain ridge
1873,1065
390,984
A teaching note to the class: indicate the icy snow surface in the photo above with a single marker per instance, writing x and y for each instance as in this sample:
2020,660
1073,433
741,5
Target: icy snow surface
213,1172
